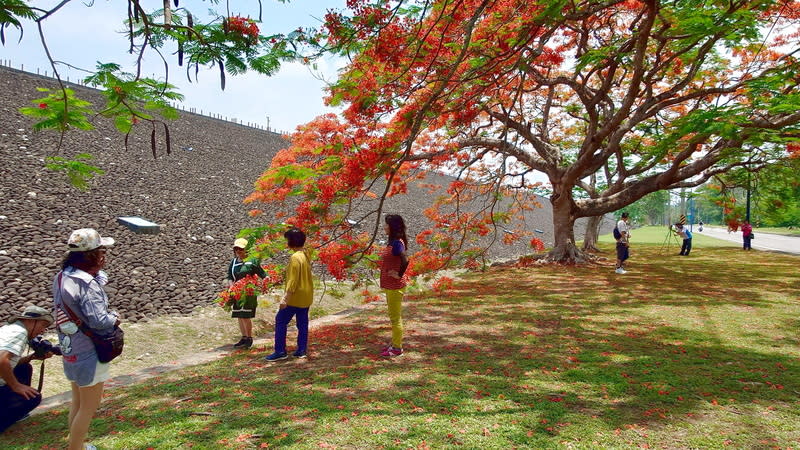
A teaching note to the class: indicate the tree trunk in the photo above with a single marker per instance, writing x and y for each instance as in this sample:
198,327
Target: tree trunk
590,236
564,250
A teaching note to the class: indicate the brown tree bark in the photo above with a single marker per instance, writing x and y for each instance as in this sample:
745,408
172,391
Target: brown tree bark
564,250
591,234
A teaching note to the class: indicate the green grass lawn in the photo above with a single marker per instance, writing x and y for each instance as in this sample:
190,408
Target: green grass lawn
663,239
681,352
784,231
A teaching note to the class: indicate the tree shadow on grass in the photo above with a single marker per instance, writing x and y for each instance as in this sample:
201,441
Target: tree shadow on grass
516,357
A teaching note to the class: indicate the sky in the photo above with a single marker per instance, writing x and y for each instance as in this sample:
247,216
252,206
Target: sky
81,35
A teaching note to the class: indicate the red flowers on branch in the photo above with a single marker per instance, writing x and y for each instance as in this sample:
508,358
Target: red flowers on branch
249,286
243,27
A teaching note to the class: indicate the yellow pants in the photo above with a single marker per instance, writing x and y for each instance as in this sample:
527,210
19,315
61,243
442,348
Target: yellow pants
394,299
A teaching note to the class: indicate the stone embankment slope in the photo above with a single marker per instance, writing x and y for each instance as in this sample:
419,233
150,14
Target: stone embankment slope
195,194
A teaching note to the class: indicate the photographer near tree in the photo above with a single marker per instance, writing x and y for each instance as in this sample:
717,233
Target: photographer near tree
686,235
17,397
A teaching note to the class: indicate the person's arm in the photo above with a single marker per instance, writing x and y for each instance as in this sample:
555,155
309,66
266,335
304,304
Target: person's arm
7,373
95,309
403,264
254,267
399,249
292,280
228,275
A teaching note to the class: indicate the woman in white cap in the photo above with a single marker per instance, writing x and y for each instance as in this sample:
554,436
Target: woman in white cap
78,287
245,309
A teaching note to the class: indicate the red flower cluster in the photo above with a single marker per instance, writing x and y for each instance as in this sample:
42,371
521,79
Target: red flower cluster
243,27
794,149
443,285
335,256
249,286
369,297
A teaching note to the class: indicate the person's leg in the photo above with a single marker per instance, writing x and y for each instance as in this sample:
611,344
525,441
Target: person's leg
394,300
688,243
90,399
282,320
301,317
622,255
24,373
6,415
240,321
248,328
75,405
15,406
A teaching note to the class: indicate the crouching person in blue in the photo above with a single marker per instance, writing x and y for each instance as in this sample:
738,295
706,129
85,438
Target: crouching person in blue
17,397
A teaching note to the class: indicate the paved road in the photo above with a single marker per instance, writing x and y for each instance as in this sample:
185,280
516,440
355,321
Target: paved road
762,241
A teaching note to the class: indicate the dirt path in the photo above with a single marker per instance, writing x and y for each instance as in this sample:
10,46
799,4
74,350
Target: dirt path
137,334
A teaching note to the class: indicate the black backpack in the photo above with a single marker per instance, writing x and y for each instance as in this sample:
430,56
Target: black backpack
617,234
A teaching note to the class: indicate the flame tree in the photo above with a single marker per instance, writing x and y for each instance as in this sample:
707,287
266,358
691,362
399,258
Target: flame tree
639,96
610,100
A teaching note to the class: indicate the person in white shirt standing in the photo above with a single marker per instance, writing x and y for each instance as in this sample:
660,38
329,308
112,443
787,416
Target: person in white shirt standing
623,249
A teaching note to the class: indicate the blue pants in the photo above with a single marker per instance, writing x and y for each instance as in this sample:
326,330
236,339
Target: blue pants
14,405
282,320
687,247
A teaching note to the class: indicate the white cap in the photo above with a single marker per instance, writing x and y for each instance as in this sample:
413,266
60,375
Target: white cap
87,239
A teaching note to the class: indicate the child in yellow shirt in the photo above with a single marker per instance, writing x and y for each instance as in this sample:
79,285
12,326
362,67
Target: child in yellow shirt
297,299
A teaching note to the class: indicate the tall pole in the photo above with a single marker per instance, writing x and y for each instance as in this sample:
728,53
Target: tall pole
747,213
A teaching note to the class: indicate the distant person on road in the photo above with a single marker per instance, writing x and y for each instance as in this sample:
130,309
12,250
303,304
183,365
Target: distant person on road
700,226
245,308
393,264
623,241
747,235
297,298
686,235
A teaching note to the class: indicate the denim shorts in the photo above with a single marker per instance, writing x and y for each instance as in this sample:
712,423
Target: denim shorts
85,370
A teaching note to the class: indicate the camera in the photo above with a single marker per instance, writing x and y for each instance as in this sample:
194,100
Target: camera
42,346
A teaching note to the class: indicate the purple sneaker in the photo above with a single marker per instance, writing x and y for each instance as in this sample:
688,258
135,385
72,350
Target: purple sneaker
391,352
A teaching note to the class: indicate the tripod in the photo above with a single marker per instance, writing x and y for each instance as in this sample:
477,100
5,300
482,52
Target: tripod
669,239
